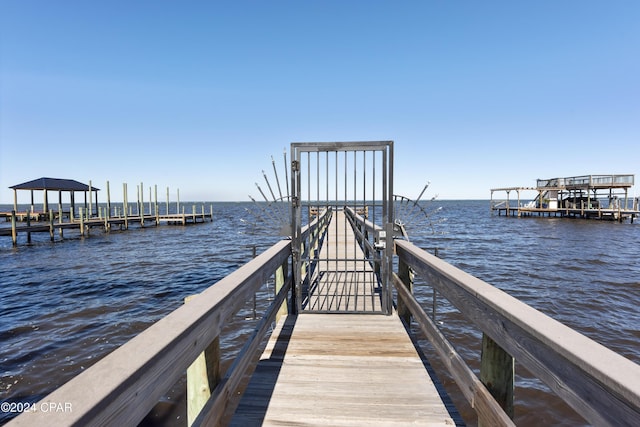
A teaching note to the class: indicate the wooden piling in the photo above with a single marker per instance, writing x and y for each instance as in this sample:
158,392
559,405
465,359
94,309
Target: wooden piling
51,233
497,369
14,233
81,222
28,225
108,201
125,207
141,204
167,212
156,205
60,232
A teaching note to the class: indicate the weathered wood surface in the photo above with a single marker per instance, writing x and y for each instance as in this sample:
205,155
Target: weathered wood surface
125,385
343,279
601,385
341,370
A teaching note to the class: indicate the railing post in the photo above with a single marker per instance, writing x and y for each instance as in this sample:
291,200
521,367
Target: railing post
202,377
281,278
406,275
497,374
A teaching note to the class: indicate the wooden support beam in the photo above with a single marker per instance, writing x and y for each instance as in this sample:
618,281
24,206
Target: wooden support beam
406,275
203,375
282,274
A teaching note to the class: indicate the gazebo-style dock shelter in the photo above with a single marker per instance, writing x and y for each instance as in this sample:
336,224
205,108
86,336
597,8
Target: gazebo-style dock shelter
54,184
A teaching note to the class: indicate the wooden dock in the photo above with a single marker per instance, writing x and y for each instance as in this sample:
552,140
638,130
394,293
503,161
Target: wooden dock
343,279
604,197
57,223
338,369
341,370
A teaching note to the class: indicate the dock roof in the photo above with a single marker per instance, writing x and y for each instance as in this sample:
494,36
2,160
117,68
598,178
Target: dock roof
54,184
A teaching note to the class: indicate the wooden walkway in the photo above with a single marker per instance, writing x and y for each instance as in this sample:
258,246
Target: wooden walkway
343,280
341,370
338,369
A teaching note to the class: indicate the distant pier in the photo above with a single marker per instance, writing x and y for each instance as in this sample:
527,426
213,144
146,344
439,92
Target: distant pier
603,197
88,216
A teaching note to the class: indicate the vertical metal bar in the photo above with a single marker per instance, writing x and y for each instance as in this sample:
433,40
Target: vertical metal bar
385,213
391,213
327,176
374,187
296,218
389,247
336,172
355,179
337,195
355,280
345,178
344,225
308,188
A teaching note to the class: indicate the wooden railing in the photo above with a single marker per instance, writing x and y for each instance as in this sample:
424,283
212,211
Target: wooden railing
124,386
601,385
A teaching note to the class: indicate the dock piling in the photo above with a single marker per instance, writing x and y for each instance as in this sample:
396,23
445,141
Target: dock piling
125,207
28,225
51,217
497,372
14,234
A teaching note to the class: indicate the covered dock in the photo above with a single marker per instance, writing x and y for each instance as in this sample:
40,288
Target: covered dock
55,185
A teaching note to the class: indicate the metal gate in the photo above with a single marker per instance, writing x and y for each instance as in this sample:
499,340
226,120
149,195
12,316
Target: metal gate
347,180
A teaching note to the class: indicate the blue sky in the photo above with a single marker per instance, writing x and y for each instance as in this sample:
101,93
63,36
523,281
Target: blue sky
199,95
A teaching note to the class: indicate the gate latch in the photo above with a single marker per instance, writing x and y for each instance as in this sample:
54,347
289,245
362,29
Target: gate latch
381,240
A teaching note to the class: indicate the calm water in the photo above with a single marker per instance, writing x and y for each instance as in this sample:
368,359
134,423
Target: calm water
65,305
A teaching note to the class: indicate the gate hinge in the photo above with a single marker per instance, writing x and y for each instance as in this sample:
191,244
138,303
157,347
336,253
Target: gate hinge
295,165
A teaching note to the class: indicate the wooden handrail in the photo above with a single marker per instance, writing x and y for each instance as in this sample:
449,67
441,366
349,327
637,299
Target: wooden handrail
214,409
473,390
601,385
125,385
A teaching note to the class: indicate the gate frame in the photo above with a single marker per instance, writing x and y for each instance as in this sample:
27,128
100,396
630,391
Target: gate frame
384,239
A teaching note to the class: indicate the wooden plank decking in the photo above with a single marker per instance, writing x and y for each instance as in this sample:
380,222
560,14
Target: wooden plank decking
341,370
343,279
